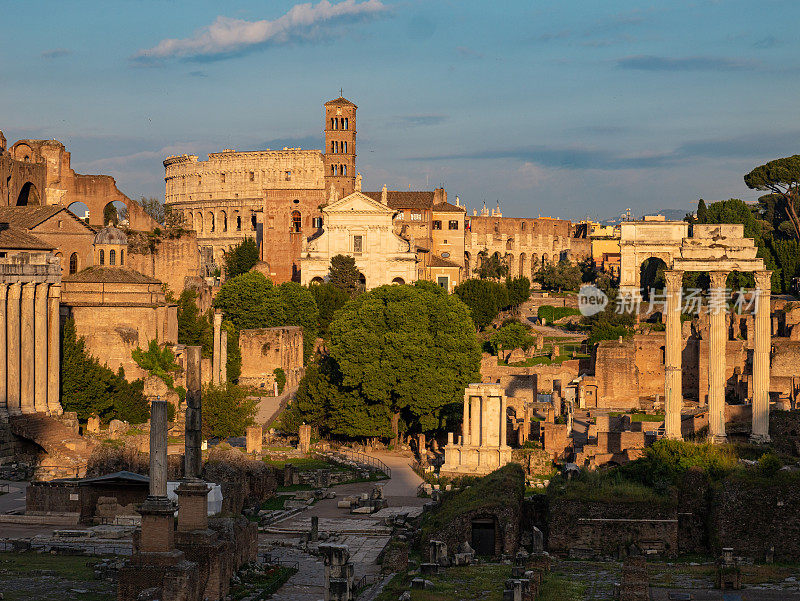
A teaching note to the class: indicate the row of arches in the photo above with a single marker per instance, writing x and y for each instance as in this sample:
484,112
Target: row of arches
112,257
339,170
340,123
210,222
524,265
338,147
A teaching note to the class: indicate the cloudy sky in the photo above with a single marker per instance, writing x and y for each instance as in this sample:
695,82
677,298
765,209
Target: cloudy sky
565,108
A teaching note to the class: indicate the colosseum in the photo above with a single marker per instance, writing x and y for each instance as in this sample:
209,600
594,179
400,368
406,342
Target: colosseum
270,195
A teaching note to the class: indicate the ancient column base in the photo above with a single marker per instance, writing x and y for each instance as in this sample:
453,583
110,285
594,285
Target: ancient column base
760,438
158,526
192,505
718,439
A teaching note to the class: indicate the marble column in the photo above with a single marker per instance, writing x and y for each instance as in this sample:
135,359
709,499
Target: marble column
40,348
503,422
27,348
761,350
465,433
485,425
194,418
158,448
3,370
475,420
54,350
215,355
12,348
223,356
673,349
716,358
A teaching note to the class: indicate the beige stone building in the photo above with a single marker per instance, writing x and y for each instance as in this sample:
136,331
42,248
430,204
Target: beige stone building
360,227
266,349
117,309
524,243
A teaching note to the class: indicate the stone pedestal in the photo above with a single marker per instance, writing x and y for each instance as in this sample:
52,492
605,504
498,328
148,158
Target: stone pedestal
716,358
304,432
158,533
338,572
192,505
254,439
761,352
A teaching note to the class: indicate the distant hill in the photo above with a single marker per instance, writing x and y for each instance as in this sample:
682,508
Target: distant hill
672,214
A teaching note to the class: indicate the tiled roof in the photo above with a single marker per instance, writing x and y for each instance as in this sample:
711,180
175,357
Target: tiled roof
29,217
446,207
15,238
402,199
437,261
110,275
340,100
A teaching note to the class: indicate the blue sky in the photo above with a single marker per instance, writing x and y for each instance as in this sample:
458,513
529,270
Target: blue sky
566,108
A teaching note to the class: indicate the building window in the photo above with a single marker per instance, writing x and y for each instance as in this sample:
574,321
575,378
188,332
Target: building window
316,222
523,226
60,224
287,176
333,146
437,225
224,221
344,147
416,216
297,221
112,257
238,223
253,222
453,225
344,170
73,263
445,255
346,124
401,215
102,257
252,176
222,178
122,256
211,215
443,281
271,222
358,244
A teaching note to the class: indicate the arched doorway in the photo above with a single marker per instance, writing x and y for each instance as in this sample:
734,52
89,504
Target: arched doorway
73,263
523,264
399,281
28,195
651,276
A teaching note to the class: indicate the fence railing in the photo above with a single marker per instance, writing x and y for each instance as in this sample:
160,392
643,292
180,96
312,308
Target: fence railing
267,559
363,459
365,581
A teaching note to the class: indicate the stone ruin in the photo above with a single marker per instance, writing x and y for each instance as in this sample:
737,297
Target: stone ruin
339,572
482,447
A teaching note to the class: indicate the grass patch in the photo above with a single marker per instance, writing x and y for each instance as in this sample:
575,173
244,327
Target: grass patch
551,313
45,577
304,464
557,588
293,487
640,417
463,583
264,584
606,487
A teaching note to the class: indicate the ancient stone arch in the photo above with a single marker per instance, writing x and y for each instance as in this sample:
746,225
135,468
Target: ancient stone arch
716,249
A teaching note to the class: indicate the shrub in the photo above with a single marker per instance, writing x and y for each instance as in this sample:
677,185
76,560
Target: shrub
227,411
551,313
280,379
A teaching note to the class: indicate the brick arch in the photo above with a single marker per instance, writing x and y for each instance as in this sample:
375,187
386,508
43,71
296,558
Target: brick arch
28,195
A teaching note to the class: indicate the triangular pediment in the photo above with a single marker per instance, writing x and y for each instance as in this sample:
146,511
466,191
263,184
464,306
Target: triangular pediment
358,203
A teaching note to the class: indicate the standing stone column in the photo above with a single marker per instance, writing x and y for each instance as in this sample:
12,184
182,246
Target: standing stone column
40,348
475,421
223,356
158,448
485,425
716,358
54,350
3,368
215,356
12,348
503,422
194,419
158,531
27,348
763,342
673,349
465,438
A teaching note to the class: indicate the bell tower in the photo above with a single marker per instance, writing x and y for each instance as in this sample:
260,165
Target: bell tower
339,157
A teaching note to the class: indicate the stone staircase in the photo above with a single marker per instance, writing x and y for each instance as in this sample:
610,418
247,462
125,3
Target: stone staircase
66,451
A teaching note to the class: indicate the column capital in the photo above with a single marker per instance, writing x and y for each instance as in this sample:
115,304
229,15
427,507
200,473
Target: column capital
718,278
673,278
763,280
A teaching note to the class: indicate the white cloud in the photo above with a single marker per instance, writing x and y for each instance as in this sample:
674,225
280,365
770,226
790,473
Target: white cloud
229,36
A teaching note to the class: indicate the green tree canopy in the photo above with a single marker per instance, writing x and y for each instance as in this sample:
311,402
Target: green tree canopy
483,298
227,411
510,336
194,329
88,388
241,258
559,276
153,207
329,299
782,178
300,309
519,290
395,353
493,267
344,274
